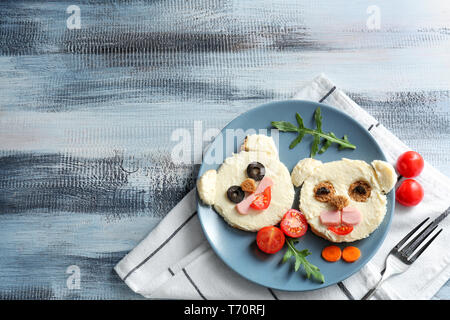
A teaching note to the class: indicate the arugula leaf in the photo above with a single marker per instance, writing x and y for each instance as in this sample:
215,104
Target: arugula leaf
345,138
318,118
316,139
315,145
327,143
328,138
284,126
300,260
297,140
299,120
287,255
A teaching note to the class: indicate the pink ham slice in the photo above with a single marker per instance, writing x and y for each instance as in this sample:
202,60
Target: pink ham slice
330,218
351,216
244,206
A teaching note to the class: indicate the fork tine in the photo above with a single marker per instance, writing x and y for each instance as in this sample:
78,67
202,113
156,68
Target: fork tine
410,234
413,258
415,243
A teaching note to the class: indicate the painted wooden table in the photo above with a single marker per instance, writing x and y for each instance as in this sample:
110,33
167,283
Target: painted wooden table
93,95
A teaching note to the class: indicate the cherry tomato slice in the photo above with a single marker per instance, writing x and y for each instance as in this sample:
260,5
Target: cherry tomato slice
410,164
262,200
409,193
270,239
341,230
294,224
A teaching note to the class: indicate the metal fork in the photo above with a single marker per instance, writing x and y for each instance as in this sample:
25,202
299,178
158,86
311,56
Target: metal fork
400,258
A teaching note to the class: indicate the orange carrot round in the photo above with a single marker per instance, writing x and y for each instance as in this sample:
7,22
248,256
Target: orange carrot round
331,253
351,254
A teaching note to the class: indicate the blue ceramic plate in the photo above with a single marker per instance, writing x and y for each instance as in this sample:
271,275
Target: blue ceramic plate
238,248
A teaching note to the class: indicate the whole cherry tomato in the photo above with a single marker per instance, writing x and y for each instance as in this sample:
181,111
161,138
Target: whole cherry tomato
410,164
409,193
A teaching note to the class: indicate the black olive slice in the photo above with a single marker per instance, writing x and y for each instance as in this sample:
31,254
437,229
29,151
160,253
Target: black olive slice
235,194
256,171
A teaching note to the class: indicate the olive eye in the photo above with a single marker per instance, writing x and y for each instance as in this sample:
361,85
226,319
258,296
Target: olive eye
359,191
235,194
256,171
324,191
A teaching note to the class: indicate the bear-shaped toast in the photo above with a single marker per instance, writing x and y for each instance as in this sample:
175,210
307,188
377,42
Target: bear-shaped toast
252,188
345,200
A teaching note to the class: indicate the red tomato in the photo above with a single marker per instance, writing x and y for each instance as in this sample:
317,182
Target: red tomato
294,224
341,230
410,193
262,200
410,164
270,239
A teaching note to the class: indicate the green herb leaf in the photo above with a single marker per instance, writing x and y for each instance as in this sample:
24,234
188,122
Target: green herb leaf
343,146
316,140
327,143
299,120
284,126
328,138
287,256
301,261
297,140
315,145
318,118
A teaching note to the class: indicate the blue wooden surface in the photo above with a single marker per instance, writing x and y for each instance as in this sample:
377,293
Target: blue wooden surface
86,115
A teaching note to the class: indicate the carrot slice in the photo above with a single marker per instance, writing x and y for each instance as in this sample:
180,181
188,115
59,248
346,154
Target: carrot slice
331,253
351,254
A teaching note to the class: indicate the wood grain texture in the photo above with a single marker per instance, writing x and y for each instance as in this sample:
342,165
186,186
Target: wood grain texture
86,115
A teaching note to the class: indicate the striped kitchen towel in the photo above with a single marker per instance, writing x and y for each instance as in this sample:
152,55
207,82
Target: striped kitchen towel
176,262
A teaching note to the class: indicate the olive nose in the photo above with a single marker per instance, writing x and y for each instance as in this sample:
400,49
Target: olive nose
338,201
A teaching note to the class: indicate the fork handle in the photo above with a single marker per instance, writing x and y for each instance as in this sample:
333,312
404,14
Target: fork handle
387,273
370,293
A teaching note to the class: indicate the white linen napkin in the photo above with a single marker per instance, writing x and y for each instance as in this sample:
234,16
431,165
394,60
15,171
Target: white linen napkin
176,262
